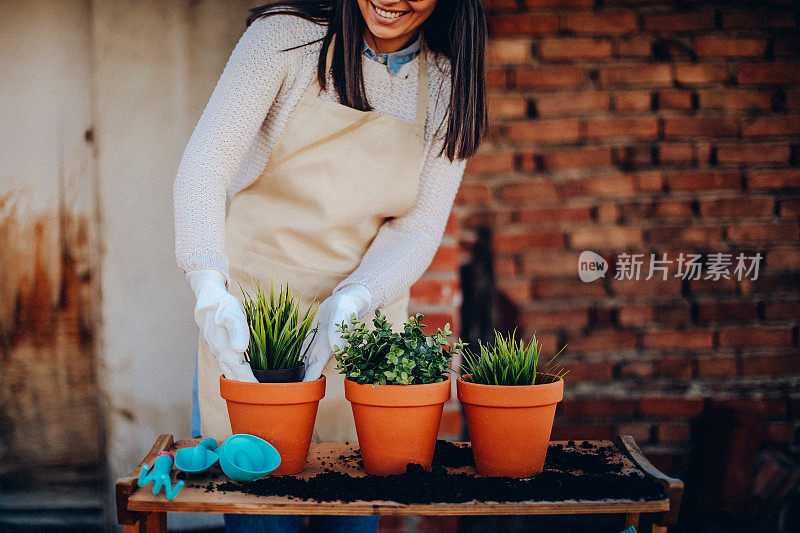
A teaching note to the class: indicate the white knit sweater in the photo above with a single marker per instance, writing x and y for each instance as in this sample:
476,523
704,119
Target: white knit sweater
258,90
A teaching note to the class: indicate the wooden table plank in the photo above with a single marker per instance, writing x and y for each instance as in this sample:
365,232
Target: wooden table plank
195,496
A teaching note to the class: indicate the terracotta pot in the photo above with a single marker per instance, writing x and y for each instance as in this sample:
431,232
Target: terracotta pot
509,425
396,424
282,414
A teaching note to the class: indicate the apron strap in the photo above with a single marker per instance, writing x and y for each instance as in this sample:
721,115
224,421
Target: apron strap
422,80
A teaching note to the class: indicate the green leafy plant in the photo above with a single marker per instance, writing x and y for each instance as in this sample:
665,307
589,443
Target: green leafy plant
511,362
383,357
277,329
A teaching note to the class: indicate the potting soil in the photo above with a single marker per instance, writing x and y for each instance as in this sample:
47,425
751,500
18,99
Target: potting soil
573,471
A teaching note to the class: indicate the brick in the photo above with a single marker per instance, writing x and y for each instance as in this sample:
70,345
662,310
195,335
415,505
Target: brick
679,22
714,366
734,99
571,48
782,432
508,51
673,432
434,321
626,101
496,78
548,319
522,24
674,367
635,315
680,209
645,288
675,154
530,191
580,430
755,206
605,238
635,75
774,179
610,186
779,72
554,215
701,74
567,288
678,340
753,232
752,153
505,266
717,311
471,192
679,127
516,290
502,106
724,46
767,407
783,259
549,263
636,368
602,341
761,18
790,208
600,23
550,77
631,128
771,365
671,407
513,240
742,337
680,99
597,407
435,291
588,371
699,235
589,157
640,431
772,126
490,163
636,46
571,103
445,259
781,310
544,131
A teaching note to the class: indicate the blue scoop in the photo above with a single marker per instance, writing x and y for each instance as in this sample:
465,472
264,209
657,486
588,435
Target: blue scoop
198,458
246,457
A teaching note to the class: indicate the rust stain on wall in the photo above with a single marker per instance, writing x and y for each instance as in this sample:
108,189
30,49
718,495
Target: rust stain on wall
49,409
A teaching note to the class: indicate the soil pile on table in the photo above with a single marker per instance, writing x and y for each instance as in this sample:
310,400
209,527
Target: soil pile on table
581,472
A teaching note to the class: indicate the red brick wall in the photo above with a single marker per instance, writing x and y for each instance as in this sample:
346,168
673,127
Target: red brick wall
647,127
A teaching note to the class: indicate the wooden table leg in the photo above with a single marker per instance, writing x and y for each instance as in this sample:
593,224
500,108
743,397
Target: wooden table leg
632,519
149,523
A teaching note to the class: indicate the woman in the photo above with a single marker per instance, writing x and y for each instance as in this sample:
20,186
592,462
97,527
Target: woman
338,132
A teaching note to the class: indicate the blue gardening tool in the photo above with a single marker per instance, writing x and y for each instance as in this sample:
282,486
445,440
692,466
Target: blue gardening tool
198,458
160,476
246,457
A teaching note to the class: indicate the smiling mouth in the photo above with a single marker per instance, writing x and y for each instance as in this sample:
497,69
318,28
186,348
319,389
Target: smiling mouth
387,14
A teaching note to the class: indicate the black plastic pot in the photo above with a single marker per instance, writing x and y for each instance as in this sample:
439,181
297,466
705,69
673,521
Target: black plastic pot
283,375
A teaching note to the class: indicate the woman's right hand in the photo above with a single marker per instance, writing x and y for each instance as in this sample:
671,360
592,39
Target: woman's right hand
220,317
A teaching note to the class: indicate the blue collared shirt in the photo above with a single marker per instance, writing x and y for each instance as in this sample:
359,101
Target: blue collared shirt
395,60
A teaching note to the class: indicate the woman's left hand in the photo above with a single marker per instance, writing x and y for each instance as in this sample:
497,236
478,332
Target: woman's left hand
340,307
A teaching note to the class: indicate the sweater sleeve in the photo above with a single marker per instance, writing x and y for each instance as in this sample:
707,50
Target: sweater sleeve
238,105
403,247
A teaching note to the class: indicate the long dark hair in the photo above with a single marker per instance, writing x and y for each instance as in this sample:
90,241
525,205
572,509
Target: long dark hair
456,29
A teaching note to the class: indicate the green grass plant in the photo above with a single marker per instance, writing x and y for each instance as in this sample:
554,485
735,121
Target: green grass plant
277,329
511,361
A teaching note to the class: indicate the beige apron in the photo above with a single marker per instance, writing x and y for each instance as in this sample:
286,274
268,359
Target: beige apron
333,177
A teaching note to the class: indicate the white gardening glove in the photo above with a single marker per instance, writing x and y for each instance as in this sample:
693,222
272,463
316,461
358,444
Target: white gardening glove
220,317
340,307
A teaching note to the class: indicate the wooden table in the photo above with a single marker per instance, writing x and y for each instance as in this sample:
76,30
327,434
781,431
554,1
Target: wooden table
140,510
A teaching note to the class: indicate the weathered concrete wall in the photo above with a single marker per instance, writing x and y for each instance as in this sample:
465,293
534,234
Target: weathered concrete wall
48,295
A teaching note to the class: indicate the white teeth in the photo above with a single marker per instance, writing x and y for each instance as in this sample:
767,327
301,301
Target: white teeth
388,14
